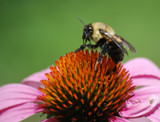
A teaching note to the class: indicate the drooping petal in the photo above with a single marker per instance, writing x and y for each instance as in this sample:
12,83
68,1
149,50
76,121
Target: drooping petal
34,79
143,108
19,112
144,92
118,119
141,67
14,94
155,117
140,119
146,81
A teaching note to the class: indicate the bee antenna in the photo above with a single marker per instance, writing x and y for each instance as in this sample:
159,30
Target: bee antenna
80,20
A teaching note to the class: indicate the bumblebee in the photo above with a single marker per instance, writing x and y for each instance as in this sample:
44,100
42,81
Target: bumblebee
105,37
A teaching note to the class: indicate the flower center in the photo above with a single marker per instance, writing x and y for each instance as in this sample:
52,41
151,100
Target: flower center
77,91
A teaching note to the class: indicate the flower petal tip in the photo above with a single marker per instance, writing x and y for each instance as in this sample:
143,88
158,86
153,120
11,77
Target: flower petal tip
142,66
35,78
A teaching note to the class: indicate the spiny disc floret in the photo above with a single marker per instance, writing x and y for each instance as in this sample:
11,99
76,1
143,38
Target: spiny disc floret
76,91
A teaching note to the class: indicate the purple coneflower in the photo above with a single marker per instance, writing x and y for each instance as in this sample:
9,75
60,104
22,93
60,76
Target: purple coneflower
74,90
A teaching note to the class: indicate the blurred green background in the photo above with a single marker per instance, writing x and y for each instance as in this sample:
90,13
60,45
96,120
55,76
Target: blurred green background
35,33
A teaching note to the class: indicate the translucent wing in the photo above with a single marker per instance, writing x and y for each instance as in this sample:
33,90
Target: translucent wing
126,44
111,38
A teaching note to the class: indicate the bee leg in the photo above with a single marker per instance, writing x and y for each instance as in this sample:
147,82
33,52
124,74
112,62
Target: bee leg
98,60
103,52
88,45
81,48
92,46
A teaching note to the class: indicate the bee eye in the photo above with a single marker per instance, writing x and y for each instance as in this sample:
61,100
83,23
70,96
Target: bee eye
90,29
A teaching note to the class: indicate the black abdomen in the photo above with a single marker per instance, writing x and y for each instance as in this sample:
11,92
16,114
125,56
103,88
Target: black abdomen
115,52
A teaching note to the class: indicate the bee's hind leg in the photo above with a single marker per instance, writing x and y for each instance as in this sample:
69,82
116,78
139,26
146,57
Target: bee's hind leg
103,52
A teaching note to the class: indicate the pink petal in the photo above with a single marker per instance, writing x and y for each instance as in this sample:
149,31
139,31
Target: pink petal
146,81
34,79
18,112
155,117
141,119
141,109
50,120
144,92
118,119
14,94
142,66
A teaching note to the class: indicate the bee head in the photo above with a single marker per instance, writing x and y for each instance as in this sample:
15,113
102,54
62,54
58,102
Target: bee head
87,33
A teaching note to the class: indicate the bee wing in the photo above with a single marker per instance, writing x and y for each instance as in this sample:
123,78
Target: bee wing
126,44
111,38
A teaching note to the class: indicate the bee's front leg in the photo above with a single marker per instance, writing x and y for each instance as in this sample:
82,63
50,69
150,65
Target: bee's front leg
81,48
86,45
